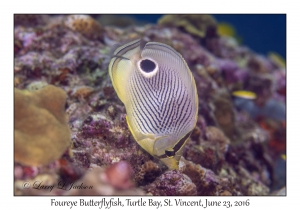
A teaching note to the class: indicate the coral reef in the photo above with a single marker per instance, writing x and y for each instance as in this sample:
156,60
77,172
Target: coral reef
147,173
85,25
40,125
172,183
237,147
206,181
198,25
205,153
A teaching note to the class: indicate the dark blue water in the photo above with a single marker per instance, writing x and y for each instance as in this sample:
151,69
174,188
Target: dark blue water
261,33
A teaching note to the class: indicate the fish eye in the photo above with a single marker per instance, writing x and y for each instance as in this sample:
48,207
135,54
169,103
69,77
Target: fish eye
170,152
147,65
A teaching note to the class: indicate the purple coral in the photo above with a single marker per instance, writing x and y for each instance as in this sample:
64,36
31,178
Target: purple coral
172,183
95,127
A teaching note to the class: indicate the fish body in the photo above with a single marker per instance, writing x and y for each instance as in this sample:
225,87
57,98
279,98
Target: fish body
160,96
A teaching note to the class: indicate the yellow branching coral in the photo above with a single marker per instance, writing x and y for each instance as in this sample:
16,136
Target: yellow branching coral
41,130
196,25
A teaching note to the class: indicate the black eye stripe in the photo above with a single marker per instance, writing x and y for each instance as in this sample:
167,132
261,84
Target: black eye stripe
121,50
163,156
119,56
181,142
177,146
170,153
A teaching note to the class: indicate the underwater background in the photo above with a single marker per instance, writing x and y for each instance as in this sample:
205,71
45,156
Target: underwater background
261,32
70,126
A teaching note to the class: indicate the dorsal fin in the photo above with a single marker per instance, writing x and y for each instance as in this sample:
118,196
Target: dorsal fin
143,43
116,46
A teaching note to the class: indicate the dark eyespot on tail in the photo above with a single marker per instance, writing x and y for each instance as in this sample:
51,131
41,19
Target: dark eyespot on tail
147,65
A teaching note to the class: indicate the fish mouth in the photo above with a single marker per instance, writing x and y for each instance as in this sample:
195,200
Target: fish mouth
171,162
167,148
161,144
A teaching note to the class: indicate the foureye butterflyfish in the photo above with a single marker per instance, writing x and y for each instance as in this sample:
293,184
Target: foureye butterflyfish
160,96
